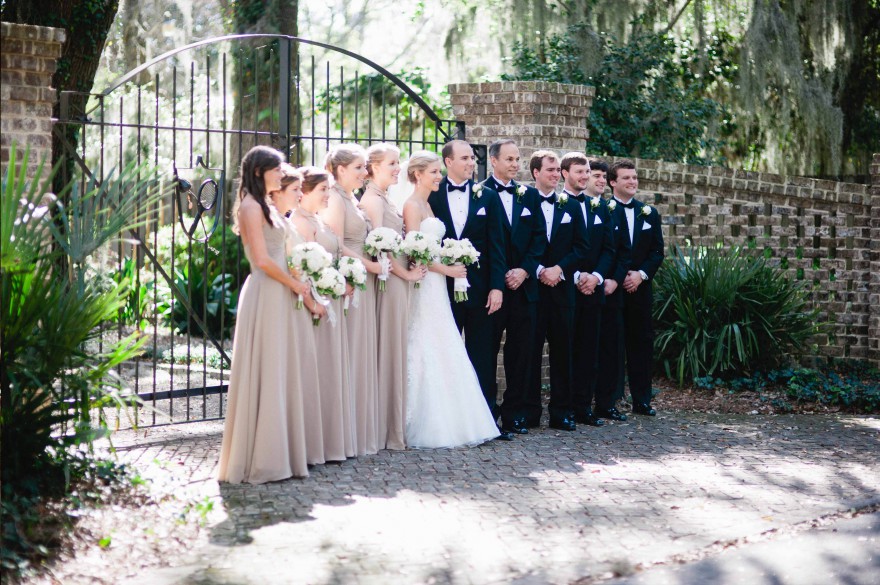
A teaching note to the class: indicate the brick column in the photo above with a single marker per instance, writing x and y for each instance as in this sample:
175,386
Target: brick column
27,61
537,114
874,284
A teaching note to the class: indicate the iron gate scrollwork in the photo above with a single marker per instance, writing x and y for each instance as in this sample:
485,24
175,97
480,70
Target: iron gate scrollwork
191,113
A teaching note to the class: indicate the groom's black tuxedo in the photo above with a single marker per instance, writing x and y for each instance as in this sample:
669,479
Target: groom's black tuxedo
646,255
588,309
524,244
567,247
485,230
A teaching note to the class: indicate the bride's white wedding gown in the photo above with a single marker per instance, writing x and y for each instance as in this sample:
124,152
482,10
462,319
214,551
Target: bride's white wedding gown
444,405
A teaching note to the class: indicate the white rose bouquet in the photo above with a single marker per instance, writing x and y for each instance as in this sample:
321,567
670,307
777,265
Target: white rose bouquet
380,243
459,252
308,259
421,248
355,273
328,283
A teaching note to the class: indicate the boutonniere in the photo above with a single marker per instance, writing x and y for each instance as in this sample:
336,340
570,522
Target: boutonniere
646,211
612,204
594,202
562,199
477,190
520,191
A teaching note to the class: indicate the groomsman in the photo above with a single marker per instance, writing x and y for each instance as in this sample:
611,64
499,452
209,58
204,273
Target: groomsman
567,246
641,226
525,241
589,280
475,214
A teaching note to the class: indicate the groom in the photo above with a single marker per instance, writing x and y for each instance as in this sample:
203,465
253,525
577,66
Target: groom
475,214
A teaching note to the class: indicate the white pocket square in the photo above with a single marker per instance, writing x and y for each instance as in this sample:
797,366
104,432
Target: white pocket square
525,212
646,226
566,218
482,211
597,220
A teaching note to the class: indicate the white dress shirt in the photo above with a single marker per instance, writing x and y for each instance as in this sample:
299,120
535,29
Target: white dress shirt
458,208
506,200
583,204
631,224
547,210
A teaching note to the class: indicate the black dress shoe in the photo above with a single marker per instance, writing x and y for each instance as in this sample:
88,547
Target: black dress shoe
533,423
517,427
504,436
611,413
564,423
645,409
588,418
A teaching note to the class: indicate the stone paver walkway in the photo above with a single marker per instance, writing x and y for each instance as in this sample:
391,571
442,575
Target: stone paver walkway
547,508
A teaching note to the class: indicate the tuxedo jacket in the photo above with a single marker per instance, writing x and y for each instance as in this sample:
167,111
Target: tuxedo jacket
645,249
622,252
525,235
600,235
567,248
485,230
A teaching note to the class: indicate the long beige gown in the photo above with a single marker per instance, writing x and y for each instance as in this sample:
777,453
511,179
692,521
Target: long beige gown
391,314
360,328
331,342
311,397
263,436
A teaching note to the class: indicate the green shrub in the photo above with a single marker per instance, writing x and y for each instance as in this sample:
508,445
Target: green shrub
727,313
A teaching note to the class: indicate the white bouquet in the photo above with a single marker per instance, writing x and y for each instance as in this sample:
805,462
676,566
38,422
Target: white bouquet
381,242
355,274
308,259
420,247
328,283
459,252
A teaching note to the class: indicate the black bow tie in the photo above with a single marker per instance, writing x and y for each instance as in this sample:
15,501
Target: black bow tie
509,189
548,198
580,198
450,188
630,205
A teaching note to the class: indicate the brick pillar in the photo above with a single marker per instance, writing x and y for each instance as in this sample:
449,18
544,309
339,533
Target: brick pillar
537,114
27,61
874,284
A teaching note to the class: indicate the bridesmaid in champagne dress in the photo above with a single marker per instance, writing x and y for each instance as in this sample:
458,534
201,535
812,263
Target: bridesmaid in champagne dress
337,419
383,169
263,436
347,164
286,200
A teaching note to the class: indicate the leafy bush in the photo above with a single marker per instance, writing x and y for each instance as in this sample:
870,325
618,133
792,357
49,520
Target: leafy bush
49,384
727,313
215,301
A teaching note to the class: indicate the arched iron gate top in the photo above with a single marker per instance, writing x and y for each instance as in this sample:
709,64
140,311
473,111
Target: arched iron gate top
429,111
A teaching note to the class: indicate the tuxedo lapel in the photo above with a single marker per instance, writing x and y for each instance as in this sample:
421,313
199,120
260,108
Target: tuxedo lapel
473,207
638,222
558,214
517,211
442,211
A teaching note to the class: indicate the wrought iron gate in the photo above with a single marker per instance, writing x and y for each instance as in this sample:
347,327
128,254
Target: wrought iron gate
192,112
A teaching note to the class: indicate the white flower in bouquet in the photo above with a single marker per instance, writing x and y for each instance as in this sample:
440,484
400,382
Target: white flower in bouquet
420,247
308,259
381,242
459,252
355,274
328,283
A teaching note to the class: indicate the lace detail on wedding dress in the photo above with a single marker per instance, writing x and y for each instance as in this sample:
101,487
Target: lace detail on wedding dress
445,406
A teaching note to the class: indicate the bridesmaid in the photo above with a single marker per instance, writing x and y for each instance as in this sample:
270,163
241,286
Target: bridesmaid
347,164
263,436
383,169
337,419
286,200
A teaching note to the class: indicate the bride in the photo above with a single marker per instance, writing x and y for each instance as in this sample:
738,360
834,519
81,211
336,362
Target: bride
444,406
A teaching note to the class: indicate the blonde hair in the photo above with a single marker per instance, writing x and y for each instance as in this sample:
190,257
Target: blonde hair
289,174
377,153
342,156
418,162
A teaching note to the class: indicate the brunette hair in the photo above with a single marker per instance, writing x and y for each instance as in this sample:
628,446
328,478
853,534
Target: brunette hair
418,162
289,175
342,156
312,177
377,153
449,148
597,164
254,164
495,147
536,161
621,164
572,158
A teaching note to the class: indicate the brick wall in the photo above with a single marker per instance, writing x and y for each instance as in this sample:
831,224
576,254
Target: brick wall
825,233
27,62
